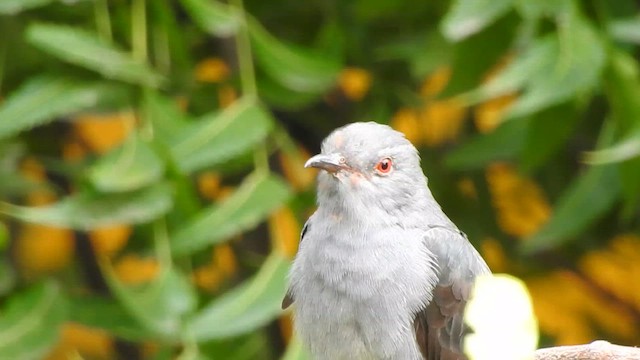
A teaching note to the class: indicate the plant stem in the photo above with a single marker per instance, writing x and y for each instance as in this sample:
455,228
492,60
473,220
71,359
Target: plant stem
261,159
103,20
139,30
243,49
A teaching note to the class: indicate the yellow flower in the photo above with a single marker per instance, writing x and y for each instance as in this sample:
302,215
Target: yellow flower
107,241
222,266
209,184
488,115
354,82
211,70
285,231
73,151
436,82
468,188
225,259
103,132
494,255
441,121
570,311
34,171
520,203
133,269
294,171
406,121
87,342
616,267
41,249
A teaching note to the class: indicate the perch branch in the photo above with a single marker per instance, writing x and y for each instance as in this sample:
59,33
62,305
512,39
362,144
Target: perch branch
597,350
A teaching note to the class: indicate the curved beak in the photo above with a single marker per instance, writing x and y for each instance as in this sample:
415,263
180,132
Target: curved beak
331,163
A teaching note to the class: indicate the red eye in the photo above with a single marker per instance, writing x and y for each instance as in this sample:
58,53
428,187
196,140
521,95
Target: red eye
384,166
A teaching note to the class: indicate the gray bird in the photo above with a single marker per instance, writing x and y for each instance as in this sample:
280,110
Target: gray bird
381,272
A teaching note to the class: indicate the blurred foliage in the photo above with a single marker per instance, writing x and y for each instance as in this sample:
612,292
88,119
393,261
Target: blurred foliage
151,159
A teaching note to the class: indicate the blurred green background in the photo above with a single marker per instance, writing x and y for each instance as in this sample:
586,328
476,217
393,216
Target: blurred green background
151,180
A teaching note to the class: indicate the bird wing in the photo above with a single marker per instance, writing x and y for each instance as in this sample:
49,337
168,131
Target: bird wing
288,297
440,327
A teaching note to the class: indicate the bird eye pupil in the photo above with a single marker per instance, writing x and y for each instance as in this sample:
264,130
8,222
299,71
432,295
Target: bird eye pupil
384,166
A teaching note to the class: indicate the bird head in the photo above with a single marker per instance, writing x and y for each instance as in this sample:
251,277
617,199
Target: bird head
368,164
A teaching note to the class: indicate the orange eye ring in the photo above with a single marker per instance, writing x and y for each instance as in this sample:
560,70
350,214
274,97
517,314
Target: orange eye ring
384,166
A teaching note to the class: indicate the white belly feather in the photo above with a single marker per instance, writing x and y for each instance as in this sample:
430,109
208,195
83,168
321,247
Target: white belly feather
358,296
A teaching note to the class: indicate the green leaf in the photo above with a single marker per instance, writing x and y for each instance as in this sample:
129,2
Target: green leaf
131,166
467,17
551,71
158,306
256,198
214,17
254,345
220,136
588,198
486,49
245,308
622,89
504,143
108,315
294,67
167,119
87,210
30,322
622,81
296,351
41,99
283,98
627,148
625,30
86,49
539,8
548,131
13,7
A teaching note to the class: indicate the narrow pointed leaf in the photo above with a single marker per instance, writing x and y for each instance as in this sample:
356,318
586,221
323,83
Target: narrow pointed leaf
583,203
42,99
548,131
467,17
552,71
504,143
256,198
282,97
626,30
82,48
87,210
214,17
486,48
622,89
163,113
627,148
159,305
245,308
30,322
220,136
292,66
588,198
131,166
13,7
107,314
